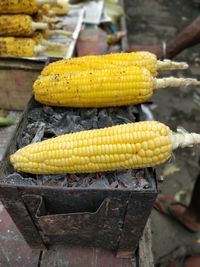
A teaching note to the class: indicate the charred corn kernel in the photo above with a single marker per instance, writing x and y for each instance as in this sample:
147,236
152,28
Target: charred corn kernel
102,88
19,47
19,25
25,47
22,6
138,59
93,155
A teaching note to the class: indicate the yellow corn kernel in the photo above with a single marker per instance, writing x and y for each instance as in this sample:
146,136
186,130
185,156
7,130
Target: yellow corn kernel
102,87
138,59
19,47
18,6
95,156
22,6
19,25
95,88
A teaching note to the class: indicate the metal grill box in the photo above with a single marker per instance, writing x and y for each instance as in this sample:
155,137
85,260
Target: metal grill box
106,210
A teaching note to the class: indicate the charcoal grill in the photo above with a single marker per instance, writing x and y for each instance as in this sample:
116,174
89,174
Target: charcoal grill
46,215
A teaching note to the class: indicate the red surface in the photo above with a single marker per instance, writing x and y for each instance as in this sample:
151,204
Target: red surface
14,252
13,249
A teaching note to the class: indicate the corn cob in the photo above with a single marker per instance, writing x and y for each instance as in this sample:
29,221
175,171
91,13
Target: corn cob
133,145
24,47
138,59
63,9
101,88
19,25
22,6
19,47
41,39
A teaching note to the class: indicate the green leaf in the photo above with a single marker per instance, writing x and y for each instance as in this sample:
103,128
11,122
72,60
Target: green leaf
7,121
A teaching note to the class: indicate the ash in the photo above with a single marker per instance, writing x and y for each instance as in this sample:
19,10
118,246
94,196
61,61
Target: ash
43,122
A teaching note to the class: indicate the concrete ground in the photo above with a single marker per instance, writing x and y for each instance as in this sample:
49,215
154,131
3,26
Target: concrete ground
151,22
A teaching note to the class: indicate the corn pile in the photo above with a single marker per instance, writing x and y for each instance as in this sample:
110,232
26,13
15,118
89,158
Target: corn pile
22,21
104,81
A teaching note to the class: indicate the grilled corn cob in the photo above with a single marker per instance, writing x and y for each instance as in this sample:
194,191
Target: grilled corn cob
133,145
22,6
24,47
138,59
101,88
19,47
19,25
62,9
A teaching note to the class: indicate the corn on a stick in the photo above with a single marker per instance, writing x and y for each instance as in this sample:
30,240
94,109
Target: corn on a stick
40,38
102,88
19,25
24,47
133,145
23,6
59,32
62,9
138,59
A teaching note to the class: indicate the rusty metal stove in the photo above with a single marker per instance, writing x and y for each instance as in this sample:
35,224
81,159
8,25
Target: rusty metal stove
110,215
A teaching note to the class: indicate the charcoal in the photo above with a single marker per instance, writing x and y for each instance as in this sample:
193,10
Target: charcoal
89,113
126,179
35,114
24,140
16,178
45,122
87,124
48,110
105,121
40,133
49,180
101,183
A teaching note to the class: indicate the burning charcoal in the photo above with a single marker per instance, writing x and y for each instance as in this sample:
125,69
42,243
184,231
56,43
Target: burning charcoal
72,180
87,124
103,113
144,184
57,117
102,183
67,124
105,122
122,115
89,113
48,110
132,111
50,180
126,178
16,178
35,114
49,132
114,184
77,128
139,174
85,180
95,122
24,140
40,133
46,122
